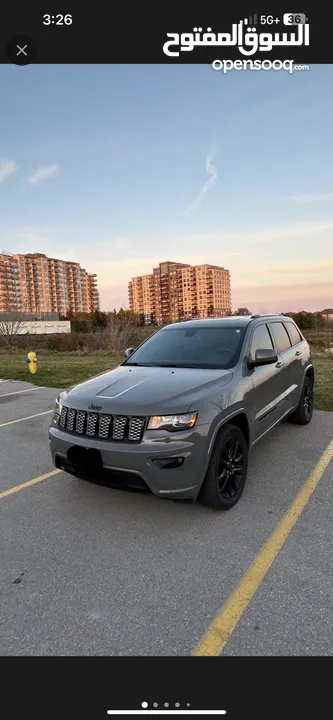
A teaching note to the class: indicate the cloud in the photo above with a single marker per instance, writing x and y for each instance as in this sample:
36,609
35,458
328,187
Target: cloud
235,249
207,186
283,275
7,168
45,172
121,244
279,232
266,263
300,269
307,199
32,243
120,271
286,298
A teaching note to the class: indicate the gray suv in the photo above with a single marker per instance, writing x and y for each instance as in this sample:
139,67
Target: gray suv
178,417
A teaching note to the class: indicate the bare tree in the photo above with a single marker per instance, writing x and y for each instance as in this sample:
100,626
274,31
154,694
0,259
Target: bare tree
11,324
121,330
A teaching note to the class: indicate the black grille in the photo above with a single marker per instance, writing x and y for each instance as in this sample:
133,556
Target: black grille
118,428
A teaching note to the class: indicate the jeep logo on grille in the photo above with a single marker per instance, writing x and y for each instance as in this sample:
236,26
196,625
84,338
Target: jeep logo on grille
95,407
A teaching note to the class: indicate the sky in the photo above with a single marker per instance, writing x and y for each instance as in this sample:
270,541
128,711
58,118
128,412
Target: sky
122,167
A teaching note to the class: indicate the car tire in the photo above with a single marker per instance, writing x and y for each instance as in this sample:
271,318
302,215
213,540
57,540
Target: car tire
304,411
222,486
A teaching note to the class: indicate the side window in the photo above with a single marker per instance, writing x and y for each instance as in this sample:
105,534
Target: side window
261,340
294,334
280,336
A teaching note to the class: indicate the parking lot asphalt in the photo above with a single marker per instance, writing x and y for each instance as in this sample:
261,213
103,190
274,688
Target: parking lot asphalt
88,570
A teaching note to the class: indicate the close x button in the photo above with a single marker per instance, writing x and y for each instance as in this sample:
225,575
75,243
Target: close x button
21,50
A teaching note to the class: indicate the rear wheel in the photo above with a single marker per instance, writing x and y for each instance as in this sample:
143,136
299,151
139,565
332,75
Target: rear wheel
227,471
304,411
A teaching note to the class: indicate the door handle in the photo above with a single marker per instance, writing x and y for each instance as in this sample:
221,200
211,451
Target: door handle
298,352
279,364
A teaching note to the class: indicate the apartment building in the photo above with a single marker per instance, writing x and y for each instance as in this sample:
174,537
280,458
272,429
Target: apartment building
178,291
59,285
141,296
34,283
213,291
9,284
167,291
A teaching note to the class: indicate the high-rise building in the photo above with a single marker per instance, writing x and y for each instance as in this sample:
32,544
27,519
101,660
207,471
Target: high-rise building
167,291
213,291
10,299
93,293
34,283
177,291
141,296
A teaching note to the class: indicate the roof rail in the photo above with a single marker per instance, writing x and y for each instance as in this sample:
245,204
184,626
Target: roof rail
254,317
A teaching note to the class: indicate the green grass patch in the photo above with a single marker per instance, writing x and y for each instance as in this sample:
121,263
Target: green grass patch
58,370
61,370
323,368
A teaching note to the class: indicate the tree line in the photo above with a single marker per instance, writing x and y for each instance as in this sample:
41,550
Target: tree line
99,320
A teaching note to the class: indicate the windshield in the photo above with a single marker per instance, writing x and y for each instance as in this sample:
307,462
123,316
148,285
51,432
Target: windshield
191,347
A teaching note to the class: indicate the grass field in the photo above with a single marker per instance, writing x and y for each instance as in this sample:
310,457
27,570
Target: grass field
60,370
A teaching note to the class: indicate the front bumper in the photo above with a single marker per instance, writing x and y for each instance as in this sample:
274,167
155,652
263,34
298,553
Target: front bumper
139,465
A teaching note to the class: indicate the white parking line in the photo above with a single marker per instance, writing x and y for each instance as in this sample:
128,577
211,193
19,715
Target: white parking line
29,417
19,392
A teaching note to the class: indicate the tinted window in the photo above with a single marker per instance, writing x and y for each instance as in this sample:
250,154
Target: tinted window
261,340
280,336
195,347
294,334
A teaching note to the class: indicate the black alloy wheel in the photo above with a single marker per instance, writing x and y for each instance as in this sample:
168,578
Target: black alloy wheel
304,411
227,470
230,468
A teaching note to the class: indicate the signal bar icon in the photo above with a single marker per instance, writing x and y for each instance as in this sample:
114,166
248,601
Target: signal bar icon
251,20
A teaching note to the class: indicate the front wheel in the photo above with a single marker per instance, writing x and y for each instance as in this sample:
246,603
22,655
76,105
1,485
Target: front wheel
304,411
227,471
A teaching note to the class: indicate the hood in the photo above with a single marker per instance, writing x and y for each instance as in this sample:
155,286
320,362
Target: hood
145,390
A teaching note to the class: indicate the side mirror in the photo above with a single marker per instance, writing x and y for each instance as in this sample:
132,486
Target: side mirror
264,357
129,352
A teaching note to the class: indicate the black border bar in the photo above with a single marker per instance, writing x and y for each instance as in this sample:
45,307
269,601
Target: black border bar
131,33
256,688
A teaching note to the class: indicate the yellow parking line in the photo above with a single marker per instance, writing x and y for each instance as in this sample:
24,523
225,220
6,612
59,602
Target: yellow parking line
19,392
29,417
17,488
222,627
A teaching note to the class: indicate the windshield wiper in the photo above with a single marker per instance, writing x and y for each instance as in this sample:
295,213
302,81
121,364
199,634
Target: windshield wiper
137,364
164,365
168,365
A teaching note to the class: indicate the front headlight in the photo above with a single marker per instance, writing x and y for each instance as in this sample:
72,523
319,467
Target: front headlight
172,422
57,406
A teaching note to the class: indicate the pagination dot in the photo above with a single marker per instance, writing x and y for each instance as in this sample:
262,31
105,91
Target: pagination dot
144,704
